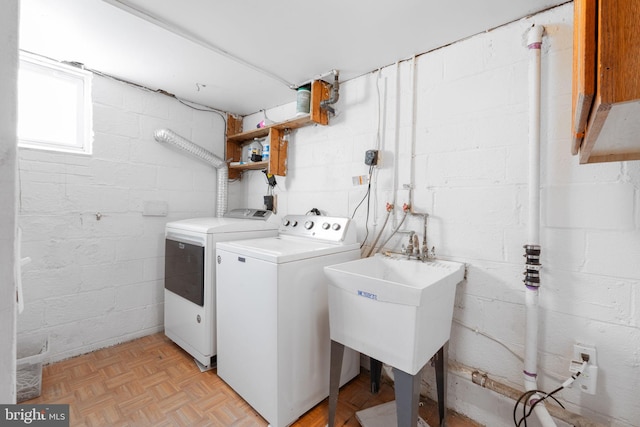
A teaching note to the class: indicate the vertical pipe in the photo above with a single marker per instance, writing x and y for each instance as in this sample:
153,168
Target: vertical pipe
534,43
412,176
396,144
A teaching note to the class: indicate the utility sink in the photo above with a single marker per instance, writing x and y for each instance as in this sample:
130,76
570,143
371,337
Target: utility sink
393,309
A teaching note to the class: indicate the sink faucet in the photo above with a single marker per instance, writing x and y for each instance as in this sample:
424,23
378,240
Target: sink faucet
408,251
425,249
413,248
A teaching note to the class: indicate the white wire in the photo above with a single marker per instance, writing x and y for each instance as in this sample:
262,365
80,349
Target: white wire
509,349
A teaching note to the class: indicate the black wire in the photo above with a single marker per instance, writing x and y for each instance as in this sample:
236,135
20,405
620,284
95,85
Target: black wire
526,397
515,407
543,398
367,196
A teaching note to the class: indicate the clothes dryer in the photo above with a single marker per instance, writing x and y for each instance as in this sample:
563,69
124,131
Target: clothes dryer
190,275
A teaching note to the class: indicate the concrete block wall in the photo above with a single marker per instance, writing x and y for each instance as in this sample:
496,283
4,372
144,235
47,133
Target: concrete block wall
471,132
98,259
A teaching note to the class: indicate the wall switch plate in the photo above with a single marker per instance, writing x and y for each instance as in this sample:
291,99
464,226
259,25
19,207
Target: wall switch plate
589,378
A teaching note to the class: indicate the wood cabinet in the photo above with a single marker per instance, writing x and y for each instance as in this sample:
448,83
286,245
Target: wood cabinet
277,163
606,80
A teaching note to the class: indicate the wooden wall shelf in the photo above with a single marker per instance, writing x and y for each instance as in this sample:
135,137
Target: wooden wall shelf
251,166
277,164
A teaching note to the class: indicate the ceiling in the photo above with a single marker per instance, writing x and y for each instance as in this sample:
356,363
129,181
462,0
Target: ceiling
242,56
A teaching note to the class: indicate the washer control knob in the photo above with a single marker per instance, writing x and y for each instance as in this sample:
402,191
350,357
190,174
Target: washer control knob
336,226
308,225
325,226
294,223
286,222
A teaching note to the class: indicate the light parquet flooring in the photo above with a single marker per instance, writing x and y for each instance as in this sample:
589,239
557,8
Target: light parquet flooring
153,382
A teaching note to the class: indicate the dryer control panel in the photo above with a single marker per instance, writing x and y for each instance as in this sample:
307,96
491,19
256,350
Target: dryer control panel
327,228
248,213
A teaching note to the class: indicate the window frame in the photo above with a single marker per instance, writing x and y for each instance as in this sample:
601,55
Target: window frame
83,143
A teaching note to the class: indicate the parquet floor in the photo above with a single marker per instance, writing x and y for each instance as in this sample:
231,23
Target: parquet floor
153,382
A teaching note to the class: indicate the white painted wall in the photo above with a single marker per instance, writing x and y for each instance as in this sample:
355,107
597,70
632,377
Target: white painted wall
471,176
8,113
96,282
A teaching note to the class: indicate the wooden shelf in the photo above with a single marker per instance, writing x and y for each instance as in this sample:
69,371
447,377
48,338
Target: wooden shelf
278,145
251,166
291,124
606,86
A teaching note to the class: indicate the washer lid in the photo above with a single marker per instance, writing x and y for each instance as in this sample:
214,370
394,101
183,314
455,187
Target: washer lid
282,249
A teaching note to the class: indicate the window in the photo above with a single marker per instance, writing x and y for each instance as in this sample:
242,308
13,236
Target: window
54,106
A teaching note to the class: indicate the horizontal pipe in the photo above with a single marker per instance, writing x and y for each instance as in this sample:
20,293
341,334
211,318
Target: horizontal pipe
317,77
483,380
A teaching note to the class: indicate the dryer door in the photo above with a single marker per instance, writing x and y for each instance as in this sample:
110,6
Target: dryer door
184,270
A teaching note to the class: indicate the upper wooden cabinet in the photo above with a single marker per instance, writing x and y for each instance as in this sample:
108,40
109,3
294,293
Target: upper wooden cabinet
278,143
606,80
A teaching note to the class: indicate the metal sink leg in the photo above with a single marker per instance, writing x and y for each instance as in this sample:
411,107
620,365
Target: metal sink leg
335,368
441,365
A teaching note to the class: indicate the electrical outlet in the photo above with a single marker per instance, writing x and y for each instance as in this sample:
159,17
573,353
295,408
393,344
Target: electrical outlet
588,379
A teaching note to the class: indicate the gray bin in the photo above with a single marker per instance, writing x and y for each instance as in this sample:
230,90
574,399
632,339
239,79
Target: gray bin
31,352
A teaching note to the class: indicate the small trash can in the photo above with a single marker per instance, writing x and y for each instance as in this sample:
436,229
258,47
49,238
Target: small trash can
31,351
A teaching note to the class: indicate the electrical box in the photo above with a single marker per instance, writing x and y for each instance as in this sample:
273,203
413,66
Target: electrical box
371,157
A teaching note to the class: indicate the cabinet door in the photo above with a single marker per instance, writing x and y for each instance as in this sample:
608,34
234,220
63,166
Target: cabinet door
584,67
613,129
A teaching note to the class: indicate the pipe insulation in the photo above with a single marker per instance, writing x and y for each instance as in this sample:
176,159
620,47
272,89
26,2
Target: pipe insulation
532,281
170,137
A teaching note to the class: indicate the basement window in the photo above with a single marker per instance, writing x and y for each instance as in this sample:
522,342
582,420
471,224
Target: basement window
54,106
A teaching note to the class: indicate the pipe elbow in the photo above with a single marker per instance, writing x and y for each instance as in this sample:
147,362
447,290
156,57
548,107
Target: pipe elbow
534,37
335,91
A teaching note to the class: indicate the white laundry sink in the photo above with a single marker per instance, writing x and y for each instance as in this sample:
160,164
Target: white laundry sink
395,310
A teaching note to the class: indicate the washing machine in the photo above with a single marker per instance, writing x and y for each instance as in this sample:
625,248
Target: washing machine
273,315
190,275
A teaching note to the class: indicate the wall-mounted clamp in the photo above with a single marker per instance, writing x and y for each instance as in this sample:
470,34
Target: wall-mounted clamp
532,265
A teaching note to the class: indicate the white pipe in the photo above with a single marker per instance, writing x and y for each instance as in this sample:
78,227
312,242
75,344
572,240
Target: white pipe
531,339
412,173
316,77
534,43
396,145
396,137
170,137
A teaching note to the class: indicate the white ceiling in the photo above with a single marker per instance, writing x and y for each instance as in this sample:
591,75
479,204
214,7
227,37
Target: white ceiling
241,55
